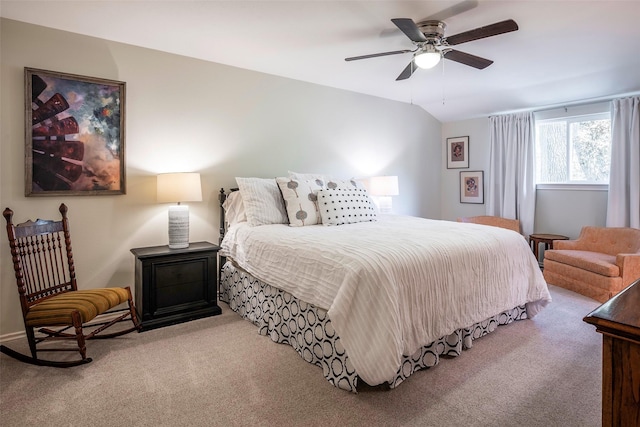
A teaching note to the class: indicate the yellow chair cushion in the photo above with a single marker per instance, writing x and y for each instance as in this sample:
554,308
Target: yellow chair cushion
56,311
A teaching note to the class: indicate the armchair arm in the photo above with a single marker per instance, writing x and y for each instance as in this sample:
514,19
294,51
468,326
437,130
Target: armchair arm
566,244
629,265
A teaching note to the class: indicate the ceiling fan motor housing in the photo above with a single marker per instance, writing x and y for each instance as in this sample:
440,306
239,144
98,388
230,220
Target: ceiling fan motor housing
432,29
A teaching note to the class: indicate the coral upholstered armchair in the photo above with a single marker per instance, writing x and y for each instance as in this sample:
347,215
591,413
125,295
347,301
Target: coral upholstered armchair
599,264
496,221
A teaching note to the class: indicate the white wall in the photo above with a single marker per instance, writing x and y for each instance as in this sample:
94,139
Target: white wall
189,115
567,211
557,211
478,132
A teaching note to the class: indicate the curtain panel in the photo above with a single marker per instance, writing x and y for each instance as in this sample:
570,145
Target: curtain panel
623,205
511,184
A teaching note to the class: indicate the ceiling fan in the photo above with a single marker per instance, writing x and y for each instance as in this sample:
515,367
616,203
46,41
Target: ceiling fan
432,45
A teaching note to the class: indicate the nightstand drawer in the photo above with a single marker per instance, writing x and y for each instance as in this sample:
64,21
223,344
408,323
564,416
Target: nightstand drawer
175,273
178,294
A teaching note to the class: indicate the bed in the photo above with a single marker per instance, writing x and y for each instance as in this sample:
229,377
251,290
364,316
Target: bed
370,298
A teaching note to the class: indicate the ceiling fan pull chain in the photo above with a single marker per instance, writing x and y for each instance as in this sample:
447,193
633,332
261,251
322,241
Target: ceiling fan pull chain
411,84
443,82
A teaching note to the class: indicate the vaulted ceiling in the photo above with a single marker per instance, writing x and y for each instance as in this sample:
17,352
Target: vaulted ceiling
563,52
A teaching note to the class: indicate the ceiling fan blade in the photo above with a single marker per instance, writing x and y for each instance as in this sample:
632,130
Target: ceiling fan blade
454,10
482,32
408,71
467,59
375,55
410,29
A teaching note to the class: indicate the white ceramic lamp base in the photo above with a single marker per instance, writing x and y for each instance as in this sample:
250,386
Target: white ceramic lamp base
178,227
385,204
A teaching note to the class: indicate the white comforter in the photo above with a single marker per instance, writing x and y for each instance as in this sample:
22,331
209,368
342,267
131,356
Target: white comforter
394,285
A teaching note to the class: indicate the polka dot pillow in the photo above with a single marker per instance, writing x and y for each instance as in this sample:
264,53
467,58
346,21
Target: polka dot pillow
345,206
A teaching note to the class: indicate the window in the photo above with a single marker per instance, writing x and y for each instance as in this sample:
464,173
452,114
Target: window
574,149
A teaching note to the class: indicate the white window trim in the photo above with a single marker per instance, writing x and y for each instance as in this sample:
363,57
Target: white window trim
567,186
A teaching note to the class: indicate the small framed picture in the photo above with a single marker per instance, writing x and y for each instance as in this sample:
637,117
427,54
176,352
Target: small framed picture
458,152
472,187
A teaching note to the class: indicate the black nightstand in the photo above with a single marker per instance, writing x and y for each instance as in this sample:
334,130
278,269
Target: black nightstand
176,285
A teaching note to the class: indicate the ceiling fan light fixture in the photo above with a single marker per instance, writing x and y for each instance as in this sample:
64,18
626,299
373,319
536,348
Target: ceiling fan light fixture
428,57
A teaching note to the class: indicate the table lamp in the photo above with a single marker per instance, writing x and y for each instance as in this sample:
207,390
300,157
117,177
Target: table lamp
178,188
382,188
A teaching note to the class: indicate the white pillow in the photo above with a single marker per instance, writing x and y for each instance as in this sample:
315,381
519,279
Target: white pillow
300,200
262,201
318,178
326,181
345,206
343,184
233,206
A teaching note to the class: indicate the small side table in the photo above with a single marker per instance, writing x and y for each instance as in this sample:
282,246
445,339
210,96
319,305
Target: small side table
546,239
176,285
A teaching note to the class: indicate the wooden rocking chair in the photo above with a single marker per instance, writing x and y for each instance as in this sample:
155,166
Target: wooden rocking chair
50,300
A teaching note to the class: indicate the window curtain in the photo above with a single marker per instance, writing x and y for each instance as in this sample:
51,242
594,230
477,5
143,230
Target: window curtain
623,206
511,186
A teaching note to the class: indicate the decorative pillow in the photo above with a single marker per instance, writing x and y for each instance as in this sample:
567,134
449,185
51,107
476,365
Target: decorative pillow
300,200
262,201
326,181
317,178
333,184
345,206
234,208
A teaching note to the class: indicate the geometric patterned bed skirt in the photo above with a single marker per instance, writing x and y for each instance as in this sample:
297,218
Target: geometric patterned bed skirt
287,320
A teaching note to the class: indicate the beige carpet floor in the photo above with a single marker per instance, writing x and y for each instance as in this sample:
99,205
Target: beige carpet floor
219,372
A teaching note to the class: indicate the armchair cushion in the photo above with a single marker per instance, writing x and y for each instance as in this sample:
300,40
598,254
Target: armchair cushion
595,262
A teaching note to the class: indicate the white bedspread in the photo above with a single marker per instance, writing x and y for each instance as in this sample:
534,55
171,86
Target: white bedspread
394,285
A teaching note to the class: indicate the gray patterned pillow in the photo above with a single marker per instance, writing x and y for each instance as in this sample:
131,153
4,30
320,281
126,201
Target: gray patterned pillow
318,178
300,200
332,184
345,206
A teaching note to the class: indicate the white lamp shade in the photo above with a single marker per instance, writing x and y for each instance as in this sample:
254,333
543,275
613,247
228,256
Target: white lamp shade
383,186
179,187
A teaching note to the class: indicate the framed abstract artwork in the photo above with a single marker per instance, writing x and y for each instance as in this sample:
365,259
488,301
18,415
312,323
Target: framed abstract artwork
74,135
458,152
472,187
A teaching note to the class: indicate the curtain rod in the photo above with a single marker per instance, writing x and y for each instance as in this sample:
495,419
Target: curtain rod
568,104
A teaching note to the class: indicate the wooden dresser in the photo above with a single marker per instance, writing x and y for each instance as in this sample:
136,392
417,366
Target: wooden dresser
618,320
